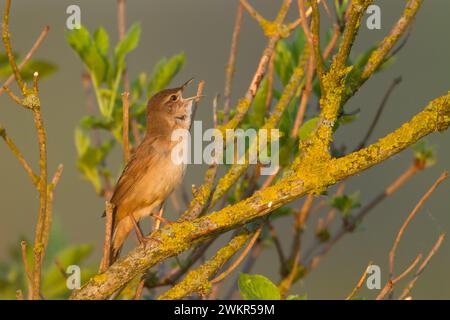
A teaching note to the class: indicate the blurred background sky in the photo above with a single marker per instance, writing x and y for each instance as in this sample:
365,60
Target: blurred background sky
202,29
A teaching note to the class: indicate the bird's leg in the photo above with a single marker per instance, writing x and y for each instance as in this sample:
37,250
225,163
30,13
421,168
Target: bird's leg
141,238
137,229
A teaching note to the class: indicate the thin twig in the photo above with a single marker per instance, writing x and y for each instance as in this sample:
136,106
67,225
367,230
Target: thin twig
312,262
241,257
126,129
252,12
293,25
270,179
159,218
355,11
379,55
196,279
270,76
109,208
332,43
215,117
277,243
304,100
375,120
139,289
15,150
176,273
422,267
39,248
315,30
15,98
327,9
392,282
392,253
48,216
27,268
304,22
229,71
360,283
27,57
200,87
60,268
121,24
287,281
8,48
300,218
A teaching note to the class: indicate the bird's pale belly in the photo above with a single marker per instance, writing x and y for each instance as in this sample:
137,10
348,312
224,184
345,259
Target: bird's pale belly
157,185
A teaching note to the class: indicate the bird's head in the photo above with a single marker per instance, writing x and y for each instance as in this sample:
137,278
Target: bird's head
168,107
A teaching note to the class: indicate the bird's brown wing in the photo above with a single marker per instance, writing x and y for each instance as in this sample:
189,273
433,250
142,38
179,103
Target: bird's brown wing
135,169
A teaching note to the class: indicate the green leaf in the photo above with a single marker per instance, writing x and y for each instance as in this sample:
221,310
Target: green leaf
101,40
259,105
257,287
281,212
283,61
341,6
424,153
298,45
128,43
163,73
92,122
81,41
82,141
89,161
43,67
346,203
307,127
138,86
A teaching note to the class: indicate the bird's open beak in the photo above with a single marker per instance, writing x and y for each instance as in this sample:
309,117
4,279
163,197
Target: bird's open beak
195,98
186,84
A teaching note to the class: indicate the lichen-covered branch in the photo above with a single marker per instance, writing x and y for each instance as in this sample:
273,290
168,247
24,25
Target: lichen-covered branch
202,196
379,55
357,10
31,101
312,176
8,48
333,83
197,281
238,169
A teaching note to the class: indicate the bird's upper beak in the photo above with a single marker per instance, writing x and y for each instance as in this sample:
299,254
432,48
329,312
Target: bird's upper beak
186,84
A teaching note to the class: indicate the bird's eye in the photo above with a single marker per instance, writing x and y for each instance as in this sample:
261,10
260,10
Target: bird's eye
173,97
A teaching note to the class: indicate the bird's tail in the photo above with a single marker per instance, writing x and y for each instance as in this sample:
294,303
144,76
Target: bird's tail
120,233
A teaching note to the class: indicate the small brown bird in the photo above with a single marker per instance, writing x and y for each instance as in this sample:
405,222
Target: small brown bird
150,175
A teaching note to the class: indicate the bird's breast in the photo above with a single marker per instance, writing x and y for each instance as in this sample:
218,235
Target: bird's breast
161,179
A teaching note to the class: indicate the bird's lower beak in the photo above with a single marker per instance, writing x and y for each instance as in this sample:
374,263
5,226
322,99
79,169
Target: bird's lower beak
195,98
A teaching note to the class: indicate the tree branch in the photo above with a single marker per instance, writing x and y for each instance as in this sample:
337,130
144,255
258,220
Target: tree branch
198,280
312,176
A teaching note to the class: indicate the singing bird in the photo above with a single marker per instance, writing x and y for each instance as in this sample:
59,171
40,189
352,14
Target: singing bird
150,175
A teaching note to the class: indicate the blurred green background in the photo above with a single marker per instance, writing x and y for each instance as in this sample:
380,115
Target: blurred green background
202,29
